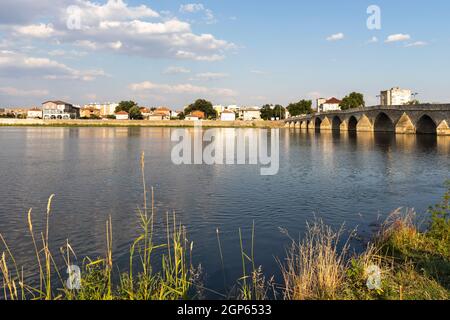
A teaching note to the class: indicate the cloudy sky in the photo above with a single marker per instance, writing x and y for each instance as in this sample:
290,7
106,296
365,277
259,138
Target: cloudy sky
164,52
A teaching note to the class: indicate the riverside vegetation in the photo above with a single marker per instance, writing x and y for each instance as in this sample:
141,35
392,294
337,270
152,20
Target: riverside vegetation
414,264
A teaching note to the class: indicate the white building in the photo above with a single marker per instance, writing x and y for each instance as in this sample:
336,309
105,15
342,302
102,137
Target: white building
191,117
59,110
228,115
122,115
331,104
233,108
175,114
250,113
395,97
34,113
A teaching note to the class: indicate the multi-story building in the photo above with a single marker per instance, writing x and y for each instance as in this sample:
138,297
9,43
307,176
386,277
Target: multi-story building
319,103
59,110
34,113
106,109
250,113
395,97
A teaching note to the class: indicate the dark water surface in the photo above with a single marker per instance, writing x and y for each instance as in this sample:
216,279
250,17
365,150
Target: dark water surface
95,172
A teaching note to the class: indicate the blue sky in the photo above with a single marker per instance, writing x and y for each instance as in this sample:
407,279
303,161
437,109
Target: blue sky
232,52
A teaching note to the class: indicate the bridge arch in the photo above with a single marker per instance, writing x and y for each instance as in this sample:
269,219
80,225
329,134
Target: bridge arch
426,125
352,123
336,123
383,123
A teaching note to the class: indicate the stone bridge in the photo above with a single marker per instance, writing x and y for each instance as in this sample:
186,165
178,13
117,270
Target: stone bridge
414,119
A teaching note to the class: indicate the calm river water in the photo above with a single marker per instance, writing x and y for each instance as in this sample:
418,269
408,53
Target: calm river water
95,172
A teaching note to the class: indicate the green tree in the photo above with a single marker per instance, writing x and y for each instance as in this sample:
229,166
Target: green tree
279,112
204,106
352,101
126,106
413,102
135,113
266,112
299,108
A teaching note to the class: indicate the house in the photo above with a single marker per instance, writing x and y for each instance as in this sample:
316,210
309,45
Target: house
250,113
228,115
122,115
395,97
59,110
106,109
198,114
155,117
90,112
332,104
34,113
164,112
191,117
146,112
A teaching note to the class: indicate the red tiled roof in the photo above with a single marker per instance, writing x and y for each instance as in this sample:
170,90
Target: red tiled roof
122,112
333,100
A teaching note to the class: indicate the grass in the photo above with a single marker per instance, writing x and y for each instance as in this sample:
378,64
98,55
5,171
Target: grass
402,262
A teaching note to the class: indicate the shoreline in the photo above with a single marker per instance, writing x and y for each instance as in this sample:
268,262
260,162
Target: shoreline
139,123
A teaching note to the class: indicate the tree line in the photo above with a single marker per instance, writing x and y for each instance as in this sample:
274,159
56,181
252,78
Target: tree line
268,111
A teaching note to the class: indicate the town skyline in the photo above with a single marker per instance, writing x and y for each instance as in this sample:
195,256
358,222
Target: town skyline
170,54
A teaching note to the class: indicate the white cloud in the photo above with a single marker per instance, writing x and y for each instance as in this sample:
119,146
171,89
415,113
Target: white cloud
397,37
188,89
417,44
192,7
210,76
176,70
10,91
91,13
16,65
114,25
193,56
258,72
41,30
336,37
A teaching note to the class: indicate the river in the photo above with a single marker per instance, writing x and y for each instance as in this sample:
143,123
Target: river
356,179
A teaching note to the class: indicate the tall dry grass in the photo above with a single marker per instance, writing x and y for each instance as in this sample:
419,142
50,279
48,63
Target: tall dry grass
314,268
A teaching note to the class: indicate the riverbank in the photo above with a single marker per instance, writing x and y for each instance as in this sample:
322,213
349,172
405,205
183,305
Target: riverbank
139,123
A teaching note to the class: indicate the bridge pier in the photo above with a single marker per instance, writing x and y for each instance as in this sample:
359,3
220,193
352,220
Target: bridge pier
303,125
405,125
297,125
344,126
443,129
326,124
364,125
